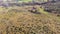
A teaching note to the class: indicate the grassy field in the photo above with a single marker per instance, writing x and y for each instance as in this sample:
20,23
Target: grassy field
25,0
19,20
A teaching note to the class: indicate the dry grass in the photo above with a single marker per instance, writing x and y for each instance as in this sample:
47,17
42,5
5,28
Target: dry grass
21,21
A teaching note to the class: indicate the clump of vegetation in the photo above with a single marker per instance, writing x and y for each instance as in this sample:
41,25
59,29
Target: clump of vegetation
52,7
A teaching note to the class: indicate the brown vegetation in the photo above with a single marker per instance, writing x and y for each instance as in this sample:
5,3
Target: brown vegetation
21,21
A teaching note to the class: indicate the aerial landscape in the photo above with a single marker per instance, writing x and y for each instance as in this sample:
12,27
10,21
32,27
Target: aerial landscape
29,16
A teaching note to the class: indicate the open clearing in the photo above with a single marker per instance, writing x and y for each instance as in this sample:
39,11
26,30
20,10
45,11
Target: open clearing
20,20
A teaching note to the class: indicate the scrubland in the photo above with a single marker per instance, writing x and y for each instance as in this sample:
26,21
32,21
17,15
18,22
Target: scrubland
20,20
